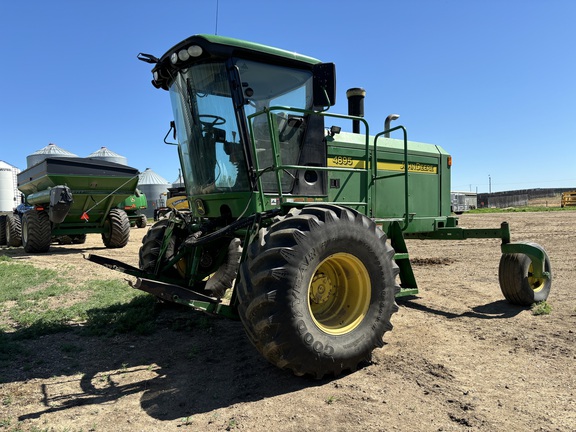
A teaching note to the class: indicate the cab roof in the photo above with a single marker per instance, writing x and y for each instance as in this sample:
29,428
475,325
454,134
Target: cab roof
214,47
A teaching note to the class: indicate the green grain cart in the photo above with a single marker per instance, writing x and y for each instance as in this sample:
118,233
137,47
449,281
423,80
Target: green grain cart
134,206
67,198
304,222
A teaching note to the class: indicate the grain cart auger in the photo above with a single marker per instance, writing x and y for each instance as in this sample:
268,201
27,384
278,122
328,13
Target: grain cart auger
294,214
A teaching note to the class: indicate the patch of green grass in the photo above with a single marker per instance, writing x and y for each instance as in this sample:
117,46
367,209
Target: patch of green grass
541,308
186,421
39,302
9,349
232,424
331,400
136,316
7,400
20,281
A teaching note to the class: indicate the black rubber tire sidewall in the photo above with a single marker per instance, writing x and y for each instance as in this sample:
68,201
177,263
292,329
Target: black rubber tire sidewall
117,228
151,244
13,230
513,278
280,266
2,230
142,221
36,231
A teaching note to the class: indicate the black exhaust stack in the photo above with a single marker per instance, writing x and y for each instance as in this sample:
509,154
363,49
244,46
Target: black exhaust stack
356,105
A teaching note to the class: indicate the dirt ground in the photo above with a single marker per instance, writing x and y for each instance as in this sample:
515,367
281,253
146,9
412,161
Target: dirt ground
460,358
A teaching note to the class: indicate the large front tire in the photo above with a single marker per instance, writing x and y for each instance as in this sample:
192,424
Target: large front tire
36,231
317,290
150,251
2,230
517,282
13,230
116,229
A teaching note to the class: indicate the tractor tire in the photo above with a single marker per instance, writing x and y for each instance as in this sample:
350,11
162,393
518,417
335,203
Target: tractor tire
36,231
116,229
2,230
517,283
317,290
150,250
142,221
13,230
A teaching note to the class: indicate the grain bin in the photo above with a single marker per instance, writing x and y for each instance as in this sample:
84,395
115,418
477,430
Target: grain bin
108,155
51,150
7,187
155,187
179,182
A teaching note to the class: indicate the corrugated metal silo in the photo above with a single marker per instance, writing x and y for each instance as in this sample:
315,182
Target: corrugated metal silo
51,150
179,182
9,194
109,156
155,187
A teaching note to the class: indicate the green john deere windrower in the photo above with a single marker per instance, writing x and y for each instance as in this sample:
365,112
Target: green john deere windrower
304,222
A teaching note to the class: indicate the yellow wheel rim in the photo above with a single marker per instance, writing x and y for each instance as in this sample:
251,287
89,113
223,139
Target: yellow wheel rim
181,267
535,283
339,294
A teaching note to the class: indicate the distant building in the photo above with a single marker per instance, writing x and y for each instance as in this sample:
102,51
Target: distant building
461,201
517,198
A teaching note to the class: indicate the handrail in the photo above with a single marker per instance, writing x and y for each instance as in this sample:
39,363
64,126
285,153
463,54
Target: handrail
277,167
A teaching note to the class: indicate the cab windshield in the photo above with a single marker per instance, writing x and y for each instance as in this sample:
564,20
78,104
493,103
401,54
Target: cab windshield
209,137
210,148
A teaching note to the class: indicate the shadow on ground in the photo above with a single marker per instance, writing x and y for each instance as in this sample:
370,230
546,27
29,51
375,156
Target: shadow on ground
192,363
495,310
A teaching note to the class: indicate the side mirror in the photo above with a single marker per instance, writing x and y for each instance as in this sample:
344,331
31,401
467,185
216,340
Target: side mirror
324,84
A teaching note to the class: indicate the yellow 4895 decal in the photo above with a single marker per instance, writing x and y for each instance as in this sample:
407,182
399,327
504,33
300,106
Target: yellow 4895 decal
349,162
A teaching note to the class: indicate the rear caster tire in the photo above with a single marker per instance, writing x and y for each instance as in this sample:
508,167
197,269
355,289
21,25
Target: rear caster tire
13,230
517,283
36,231
317,290
116,229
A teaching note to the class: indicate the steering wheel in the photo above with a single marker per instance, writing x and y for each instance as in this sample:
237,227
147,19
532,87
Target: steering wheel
216,120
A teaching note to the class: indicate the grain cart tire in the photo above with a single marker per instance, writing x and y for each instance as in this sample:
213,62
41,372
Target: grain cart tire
317,290
142,221
150,250
516,281
36,231
13,230
2,230
116,229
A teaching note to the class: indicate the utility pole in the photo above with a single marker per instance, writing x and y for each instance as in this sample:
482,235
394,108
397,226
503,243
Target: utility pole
489,184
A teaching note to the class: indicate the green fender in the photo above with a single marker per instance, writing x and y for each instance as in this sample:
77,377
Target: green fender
536,254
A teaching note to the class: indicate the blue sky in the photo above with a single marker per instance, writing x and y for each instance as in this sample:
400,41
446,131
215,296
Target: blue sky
491,81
